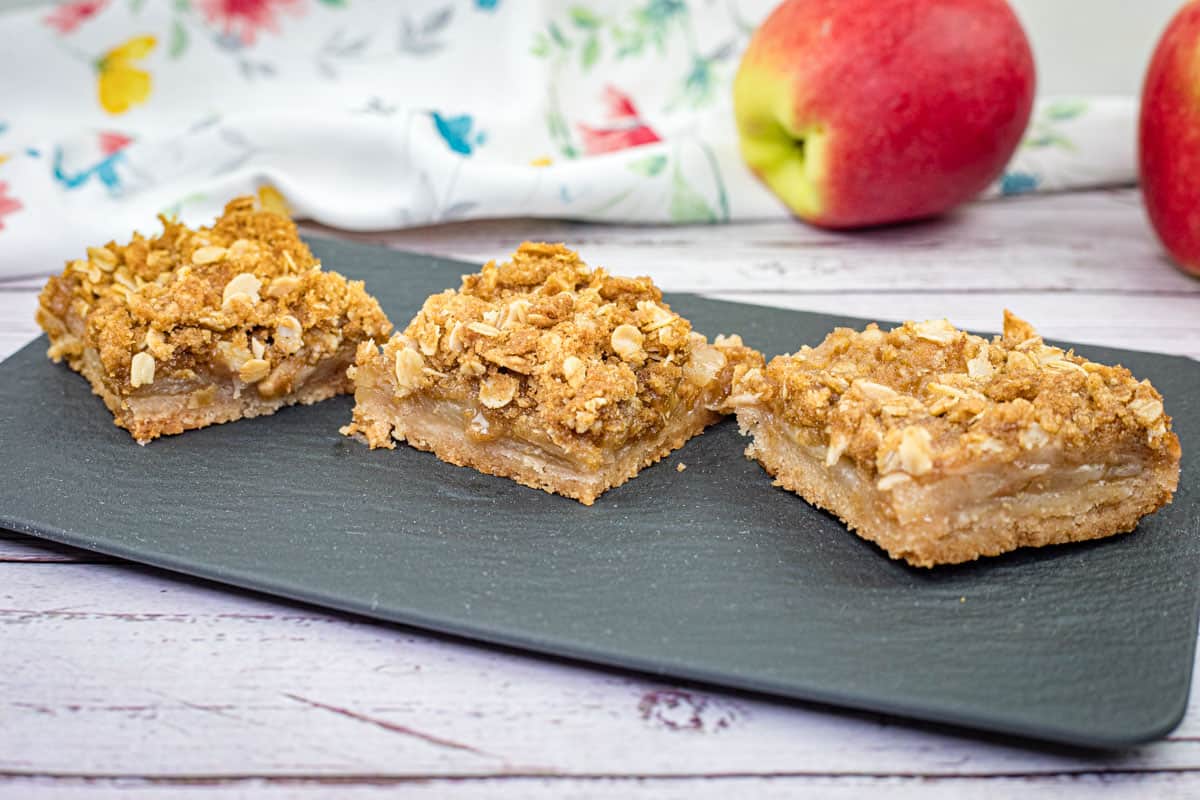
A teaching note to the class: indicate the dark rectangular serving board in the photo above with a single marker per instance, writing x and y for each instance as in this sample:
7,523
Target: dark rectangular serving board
712,574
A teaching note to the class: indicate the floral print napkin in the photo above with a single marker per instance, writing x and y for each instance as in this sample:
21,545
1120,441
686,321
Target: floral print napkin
365,114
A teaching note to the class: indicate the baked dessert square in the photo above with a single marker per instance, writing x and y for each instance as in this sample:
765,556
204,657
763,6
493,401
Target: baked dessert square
545,371
942,447
196,327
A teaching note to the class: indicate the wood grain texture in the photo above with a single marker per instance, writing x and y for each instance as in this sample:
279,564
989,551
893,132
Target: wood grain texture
1134,322
1162,786
118,681
276,689
1082,242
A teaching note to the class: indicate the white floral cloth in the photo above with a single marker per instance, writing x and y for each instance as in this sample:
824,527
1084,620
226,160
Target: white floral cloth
365,114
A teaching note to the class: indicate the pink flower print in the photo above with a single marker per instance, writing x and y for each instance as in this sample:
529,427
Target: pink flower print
111,142
625,127
620,105
245,18
66,17
8,204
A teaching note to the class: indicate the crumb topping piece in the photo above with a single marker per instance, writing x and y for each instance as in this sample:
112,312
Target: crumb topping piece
925,397
237,297
549,346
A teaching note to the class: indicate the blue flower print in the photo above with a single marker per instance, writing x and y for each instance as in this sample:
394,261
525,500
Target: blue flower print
105,171
457,132
1018,183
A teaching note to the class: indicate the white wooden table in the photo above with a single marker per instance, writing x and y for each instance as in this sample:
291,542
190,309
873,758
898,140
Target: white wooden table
123,681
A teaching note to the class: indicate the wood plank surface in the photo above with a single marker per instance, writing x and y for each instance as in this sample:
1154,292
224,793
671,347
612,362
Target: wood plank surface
1079,242
135,653
1160,786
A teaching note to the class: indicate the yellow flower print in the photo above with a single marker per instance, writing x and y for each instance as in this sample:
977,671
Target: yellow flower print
121,84
271,199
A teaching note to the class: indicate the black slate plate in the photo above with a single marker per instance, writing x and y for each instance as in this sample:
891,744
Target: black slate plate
711,574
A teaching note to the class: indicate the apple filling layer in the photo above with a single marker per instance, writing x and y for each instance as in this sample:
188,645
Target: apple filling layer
174,405
984,510
194,328
542,370
463,433
942,447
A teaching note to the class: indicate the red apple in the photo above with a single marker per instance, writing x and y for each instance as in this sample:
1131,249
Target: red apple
1169,138
861,112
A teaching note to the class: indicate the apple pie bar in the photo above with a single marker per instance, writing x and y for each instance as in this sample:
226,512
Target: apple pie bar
197,327
542,370
942,447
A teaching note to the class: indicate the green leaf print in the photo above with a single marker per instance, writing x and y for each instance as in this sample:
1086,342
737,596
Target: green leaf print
659,13
1043,132
585,18
590,53
1049,139
722,195
179,40
1062,110
557,35
699,86
628,43
648,166
656,17
686,203
556,126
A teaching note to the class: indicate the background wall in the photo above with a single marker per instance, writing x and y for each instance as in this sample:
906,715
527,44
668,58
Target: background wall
1081,46
1093,46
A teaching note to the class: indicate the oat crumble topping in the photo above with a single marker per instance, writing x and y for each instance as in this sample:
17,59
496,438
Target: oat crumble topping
550,346
925,397
235,298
